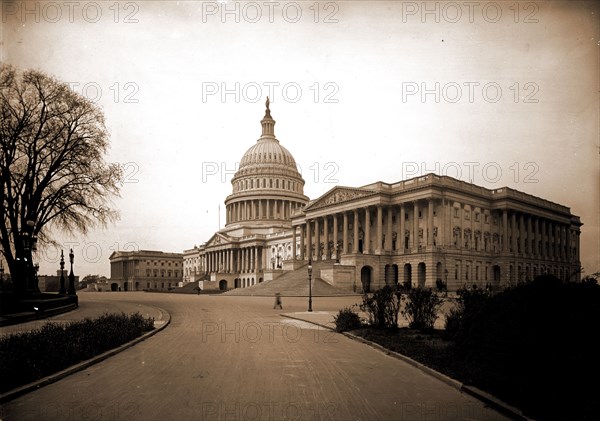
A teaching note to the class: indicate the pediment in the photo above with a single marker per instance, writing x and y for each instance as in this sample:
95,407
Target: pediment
217,239
339,195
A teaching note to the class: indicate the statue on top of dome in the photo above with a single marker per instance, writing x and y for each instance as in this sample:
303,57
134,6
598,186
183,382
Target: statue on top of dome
267,111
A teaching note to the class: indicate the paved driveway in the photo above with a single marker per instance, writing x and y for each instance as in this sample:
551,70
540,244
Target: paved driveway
230,358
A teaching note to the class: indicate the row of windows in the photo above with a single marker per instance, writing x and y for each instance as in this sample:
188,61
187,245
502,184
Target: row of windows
163,273
155,262
267,183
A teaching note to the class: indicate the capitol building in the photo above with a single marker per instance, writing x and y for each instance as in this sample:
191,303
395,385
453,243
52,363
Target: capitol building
426,231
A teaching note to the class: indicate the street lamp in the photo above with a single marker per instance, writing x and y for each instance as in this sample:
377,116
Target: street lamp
62,290
309,284
71,275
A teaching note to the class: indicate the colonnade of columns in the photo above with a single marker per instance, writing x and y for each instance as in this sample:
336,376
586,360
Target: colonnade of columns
243,260
253,209
383,229
537,237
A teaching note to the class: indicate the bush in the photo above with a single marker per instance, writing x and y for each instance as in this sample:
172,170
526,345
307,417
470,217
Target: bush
347,319
382,307
421,308
536,343
469,303
28,356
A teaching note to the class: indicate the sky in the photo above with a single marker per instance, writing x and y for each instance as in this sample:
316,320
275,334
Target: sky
494,93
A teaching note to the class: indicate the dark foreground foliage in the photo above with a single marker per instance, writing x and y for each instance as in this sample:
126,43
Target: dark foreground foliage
28,356
347,319
533,346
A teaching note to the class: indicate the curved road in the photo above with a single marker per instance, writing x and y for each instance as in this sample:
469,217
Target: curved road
235,358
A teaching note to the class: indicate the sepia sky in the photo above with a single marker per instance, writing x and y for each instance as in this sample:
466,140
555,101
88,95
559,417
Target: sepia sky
494,93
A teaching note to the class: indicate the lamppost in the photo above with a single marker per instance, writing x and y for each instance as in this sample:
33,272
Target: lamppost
29,242
273,262
309,284
337,252
62,291
72,275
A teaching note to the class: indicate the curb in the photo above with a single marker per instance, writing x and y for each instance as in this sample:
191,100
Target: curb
484,397
32,315
52,378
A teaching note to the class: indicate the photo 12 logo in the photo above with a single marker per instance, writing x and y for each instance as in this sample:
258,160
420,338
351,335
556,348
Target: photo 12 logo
254,92
86,251
470,11
473,172
325,173
454,92
125,93
70,11
269,11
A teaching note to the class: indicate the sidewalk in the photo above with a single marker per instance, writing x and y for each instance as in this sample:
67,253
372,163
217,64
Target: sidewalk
326,318
86,309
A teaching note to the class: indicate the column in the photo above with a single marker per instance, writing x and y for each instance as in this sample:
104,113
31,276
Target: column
530,244
388,232
335,236
260,210
302,243
415,242
345,233
294,242
441,241
379,229
317,240
268,205
544,255
505,230
367,239
326,236
355,231
243,256
513,231
309,239
557,241
430,222
522,233
401,234
536,249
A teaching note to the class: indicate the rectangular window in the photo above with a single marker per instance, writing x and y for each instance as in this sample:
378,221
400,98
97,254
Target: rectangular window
456,212
477,216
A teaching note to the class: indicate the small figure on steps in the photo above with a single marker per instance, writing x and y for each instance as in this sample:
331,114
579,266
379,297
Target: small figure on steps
278,301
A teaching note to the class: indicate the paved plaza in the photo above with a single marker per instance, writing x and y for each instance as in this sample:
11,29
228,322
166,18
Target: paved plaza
236,358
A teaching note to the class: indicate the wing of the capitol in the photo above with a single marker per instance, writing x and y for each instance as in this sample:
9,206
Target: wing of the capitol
425,231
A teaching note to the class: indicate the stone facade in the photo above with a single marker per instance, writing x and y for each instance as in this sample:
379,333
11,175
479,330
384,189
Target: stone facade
436,229
145,270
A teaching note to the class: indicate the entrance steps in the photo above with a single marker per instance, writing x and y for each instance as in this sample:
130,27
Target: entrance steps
293,284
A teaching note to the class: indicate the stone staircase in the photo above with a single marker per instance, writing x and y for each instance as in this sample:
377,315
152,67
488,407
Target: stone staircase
293,284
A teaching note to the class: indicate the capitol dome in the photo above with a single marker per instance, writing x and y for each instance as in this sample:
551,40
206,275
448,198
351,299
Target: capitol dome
267,185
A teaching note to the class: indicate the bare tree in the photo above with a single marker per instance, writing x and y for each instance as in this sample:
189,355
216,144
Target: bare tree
52,170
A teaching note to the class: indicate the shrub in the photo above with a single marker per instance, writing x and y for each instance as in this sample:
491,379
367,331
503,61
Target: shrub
469,303
421,308
538,338
382,307
28,356
346,319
